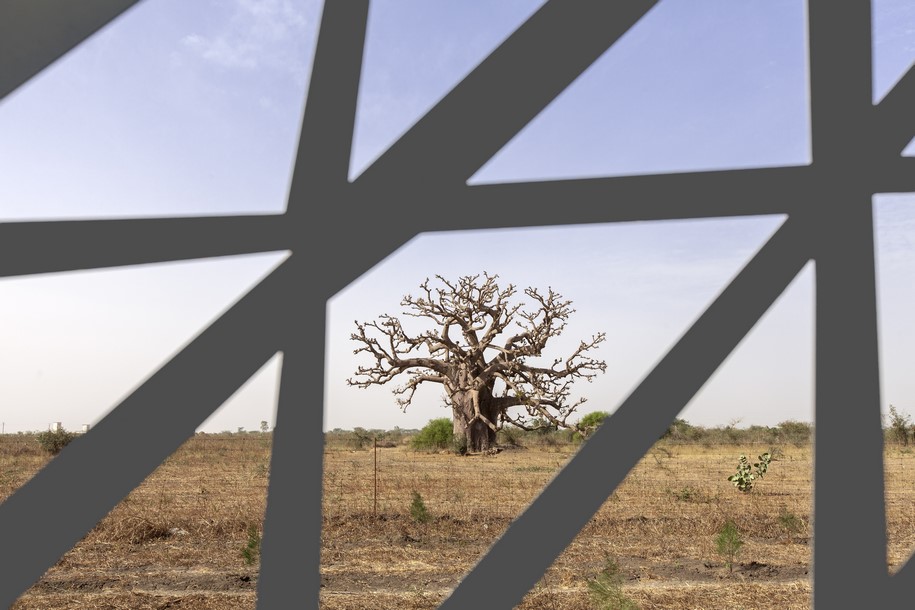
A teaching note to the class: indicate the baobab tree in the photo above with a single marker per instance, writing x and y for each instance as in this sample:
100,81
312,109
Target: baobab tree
485,351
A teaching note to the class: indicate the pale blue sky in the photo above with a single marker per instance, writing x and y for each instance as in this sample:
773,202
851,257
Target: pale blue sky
189,108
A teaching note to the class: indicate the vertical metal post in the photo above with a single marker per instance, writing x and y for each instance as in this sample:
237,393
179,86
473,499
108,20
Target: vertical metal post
375,502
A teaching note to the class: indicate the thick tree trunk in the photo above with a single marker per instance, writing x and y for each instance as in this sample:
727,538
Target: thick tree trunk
478,436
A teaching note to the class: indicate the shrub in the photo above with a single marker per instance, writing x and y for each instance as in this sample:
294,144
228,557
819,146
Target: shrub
728,543
744,477
587,425
438,434
791,522
899,425
680,429
252,549
595,418
418,510
362,438
53,441
796,432
511,436
606,588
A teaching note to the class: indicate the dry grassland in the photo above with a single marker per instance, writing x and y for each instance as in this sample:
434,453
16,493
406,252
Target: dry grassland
176,541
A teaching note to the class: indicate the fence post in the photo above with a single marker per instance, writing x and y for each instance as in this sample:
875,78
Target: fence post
375,497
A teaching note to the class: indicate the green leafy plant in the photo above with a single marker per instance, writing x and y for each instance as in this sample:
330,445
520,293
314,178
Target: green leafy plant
728,543
438,434
606,588
745,475
53,441
418,510
593,420
252,549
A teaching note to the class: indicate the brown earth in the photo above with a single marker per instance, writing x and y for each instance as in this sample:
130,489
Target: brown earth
177,540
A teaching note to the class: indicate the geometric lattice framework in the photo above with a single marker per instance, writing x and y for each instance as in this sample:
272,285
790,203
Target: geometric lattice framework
856,153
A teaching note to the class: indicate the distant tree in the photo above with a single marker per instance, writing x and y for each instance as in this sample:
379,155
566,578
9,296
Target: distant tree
482,377
899,425
795,431
679,429
590,422
361,437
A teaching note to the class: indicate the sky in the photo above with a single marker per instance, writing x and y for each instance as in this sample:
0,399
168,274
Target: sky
193,108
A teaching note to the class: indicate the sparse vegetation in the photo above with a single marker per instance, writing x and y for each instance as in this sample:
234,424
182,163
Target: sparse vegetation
54,441
606,588
252,548
511,436
795,432
900,423
728,543
661,525
418,510
543,434
790,522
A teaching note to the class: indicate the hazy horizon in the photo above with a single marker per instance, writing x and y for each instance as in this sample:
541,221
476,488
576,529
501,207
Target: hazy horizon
195,111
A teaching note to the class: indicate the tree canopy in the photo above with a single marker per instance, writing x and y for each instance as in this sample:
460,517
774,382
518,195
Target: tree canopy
485,351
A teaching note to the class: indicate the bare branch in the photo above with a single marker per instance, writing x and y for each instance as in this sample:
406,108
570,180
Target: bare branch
410,387
483,312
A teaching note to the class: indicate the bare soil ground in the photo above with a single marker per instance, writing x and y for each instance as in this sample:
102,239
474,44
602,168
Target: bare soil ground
177,540
659,526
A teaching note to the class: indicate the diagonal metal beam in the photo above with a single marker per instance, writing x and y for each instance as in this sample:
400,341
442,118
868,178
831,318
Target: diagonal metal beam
895,115
134,438
35,33
625,198
537,537
903,581
506,91
561,202
44,247
291,557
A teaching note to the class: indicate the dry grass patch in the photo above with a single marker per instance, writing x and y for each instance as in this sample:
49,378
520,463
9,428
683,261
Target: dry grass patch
177,540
